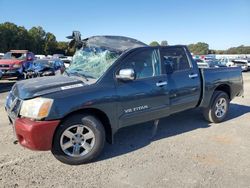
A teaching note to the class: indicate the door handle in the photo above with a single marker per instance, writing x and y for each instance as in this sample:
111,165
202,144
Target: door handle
193,75
160,84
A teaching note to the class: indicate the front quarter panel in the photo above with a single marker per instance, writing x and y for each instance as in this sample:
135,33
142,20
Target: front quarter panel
97,96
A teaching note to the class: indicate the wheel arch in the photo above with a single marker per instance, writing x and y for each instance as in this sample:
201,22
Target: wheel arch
98,114
225,88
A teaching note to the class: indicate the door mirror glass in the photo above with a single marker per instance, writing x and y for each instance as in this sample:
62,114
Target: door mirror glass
126,74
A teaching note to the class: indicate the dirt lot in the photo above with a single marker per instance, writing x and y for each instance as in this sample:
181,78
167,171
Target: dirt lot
186,152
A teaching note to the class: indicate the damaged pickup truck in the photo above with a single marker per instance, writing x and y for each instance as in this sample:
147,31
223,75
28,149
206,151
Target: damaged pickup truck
114,82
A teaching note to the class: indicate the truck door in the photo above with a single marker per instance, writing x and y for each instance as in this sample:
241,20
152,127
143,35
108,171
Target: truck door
146,97
184,82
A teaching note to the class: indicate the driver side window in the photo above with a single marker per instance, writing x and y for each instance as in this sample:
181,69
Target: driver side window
145,63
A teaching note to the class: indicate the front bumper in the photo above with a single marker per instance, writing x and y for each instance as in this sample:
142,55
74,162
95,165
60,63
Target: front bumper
31,74
35,135
11,72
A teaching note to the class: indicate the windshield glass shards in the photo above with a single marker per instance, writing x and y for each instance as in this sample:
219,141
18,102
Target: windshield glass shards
98,53
92,62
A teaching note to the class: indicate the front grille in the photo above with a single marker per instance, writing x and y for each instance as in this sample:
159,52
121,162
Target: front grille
4,66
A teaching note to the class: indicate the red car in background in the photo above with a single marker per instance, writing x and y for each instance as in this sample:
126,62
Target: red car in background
15,62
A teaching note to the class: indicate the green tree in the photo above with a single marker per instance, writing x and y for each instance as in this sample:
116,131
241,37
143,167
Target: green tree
154,43
199,48
239,50
164,43
219,51
212,51
50,43
23,39
61,47
37,37
8,36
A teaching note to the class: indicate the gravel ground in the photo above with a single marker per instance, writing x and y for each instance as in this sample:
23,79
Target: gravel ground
186,152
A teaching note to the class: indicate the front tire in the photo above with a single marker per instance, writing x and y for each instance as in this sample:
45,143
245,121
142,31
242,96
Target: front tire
218,108
20,76
78,140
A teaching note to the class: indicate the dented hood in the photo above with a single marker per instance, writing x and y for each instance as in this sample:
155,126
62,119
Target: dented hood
117,43
40,86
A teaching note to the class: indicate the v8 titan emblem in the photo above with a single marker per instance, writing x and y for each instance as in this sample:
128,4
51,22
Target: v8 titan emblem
138,108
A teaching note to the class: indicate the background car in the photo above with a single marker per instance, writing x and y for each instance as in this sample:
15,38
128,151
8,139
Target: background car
55,56
212,63
15,63
40,56
66,60
45,67
201,63
216,63
227,61
243,63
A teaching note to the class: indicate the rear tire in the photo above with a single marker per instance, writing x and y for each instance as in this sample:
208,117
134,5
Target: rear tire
78,140
218,107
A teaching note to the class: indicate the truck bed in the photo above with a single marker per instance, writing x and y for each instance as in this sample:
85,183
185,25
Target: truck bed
230,78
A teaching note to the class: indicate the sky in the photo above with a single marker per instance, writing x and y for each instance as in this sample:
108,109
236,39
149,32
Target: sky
220,23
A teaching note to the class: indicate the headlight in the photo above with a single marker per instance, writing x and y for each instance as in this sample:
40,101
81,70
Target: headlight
17,66
36,108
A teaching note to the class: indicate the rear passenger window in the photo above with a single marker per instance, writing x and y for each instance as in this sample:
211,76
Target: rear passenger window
145,63
176,57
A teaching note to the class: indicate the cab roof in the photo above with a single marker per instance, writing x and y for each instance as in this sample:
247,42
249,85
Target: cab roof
117,43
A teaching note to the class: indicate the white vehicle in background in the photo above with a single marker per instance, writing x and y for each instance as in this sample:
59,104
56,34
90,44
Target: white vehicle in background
228,62
1,55
243,63
202,63
66,59
40,56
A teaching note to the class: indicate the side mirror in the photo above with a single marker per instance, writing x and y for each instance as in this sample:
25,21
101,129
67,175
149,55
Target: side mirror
126,74
169,68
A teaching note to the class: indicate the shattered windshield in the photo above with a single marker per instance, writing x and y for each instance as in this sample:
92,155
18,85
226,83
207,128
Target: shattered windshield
92,62
10,55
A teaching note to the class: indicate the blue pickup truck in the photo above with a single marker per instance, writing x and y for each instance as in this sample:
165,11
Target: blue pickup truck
111,83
